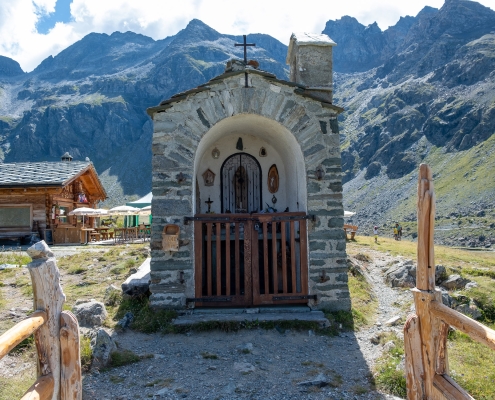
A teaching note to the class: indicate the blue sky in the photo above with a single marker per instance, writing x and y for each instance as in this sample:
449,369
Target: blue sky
61,14
31,30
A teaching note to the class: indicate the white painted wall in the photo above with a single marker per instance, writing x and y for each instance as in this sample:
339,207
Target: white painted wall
256,132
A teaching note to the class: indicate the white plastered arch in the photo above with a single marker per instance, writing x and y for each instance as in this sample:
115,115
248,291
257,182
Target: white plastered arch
282,147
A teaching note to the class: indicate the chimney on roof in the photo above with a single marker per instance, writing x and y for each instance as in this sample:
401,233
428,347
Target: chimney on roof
310,59
67,157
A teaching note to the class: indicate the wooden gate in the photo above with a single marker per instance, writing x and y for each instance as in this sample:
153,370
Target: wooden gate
251,259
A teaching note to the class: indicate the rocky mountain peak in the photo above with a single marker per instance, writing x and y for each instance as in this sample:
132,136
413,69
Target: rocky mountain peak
195,31
9,67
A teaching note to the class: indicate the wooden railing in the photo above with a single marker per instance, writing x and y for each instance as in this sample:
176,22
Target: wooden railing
56,333
251,259
425,332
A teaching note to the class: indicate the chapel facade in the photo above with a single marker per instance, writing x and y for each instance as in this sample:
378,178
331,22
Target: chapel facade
247,191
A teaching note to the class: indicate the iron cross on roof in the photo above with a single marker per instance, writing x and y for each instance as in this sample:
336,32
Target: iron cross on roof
245,45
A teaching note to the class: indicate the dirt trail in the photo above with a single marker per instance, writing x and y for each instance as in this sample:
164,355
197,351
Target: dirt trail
212,365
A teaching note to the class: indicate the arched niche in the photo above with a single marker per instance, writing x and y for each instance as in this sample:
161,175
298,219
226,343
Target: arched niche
282,149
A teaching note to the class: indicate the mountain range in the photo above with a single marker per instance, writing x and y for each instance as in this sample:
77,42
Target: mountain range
422,90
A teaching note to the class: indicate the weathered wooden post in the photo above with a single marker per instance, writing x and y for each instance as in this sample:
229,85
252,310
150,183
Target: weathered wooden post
70,374
49,297
56,333
422,331
425,332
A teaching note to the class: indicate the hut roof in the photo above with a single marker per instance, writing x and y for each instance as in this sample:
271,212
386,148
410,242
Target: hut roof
47,174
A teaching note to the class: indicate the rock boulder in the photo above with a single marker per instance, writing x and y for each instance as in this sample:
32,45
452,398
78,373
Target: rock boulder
90,313
102,346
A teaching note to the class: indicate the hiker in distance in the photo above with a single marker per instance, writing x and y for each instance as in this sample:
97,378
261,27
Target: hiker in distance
399,231
375,232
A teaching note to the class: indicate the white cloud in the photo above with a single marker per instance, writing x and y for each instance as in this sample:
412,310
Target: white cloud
159,18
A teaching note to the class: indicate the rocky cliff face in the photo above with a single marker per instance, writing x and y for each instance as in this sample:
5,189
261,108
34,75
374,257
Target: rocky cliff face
432,101
420,91
91,99
9,67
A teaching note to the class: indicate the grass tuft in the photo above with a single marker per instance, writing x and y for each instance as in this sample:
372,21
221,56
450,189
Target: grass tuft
86,353
389,375
123,357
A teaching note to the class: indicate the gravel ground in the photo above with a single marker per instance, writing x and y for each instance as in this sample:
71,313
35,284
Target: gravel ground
249,364
253,364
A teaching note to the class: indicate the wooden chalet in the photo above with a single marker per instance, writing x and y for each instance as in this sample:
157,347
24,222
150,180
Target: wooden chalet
37,197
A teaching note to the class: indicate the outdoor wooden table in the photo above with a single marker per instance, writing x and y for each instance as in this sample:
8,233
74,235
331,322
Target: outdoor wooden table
131,233
103,231
84,234
119,234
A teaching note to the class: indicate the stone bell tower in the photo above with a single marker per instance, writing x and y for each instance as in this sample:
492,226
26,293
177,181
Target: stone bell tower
310,60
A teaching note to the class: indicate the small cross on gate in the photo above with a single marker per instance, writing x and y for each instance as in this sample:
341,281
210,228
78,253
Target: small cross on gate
245,45
209,204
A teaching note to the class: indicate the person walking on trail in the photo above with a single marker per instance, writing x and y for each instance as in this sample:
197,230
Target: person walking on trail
399,231
396,232
375,232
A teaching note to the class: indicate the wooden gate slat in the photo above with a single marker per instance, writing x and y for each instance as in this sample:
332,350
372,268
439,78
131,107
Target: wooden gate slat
283,246
237,261
198,257
303,241
265,258
227,259
293,256
248,270
208,257
218,235
274,257
255,262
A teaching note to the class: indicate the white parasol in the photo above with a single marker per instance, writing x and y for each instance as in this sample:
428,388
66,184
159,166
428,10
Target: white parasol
348,214
145,210
85,211
123,210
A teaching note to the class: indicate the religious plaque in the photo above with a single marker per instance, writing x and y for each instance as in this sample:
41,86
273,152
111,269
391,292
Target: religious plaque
209,177
273,179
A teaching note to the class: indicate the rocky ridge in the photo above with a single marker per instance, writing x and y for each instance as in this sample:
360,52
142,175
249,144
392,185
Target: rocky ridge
423,90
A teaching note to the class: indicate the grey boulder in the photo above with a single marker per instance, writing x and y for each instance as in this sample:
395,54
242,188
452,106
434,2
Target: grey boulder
102,346
90,313
455,282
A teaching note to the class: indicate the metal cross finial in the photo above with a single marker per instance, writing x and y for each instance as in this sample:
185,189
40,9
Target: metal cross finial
245,45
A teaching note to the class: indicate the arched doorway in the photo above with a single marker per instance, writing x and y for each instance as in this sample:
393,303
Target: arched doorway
240,184
250,250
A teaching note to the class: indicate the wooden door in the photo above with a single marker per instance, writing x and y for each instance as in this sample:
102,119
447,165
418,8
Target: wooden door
251,259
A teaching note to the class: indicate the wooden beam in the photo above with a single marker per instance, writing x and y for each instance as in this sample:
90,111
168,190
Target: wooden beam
449,389
21,331
70,374
474,329
42,389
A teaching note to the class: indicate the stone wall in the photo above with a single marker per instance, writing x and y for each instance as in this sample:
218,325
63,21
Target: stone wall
179,129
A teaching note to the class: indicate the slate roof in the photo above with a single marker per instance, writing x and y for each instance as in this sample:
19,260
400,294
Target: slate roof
40,173
298,89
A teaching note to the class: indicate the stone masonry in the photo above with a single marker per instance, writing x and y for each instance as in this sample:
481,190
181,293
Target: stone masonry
180,124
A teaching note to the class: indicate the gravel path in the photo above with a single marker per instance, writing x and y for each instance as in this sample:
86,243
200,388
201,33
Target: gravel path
253,364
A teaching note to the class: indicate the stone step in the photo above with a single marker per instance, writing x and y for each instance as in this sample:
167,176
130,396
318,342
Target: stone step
220,316
253,310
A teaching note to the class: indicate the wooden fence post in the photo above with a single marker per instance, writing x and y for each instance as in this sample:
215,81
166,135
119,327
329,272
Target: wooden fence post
70,376
48,297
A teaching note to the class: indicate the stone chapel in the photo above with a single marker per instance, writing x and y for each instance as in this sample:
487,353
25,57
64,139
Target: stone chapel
247,191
